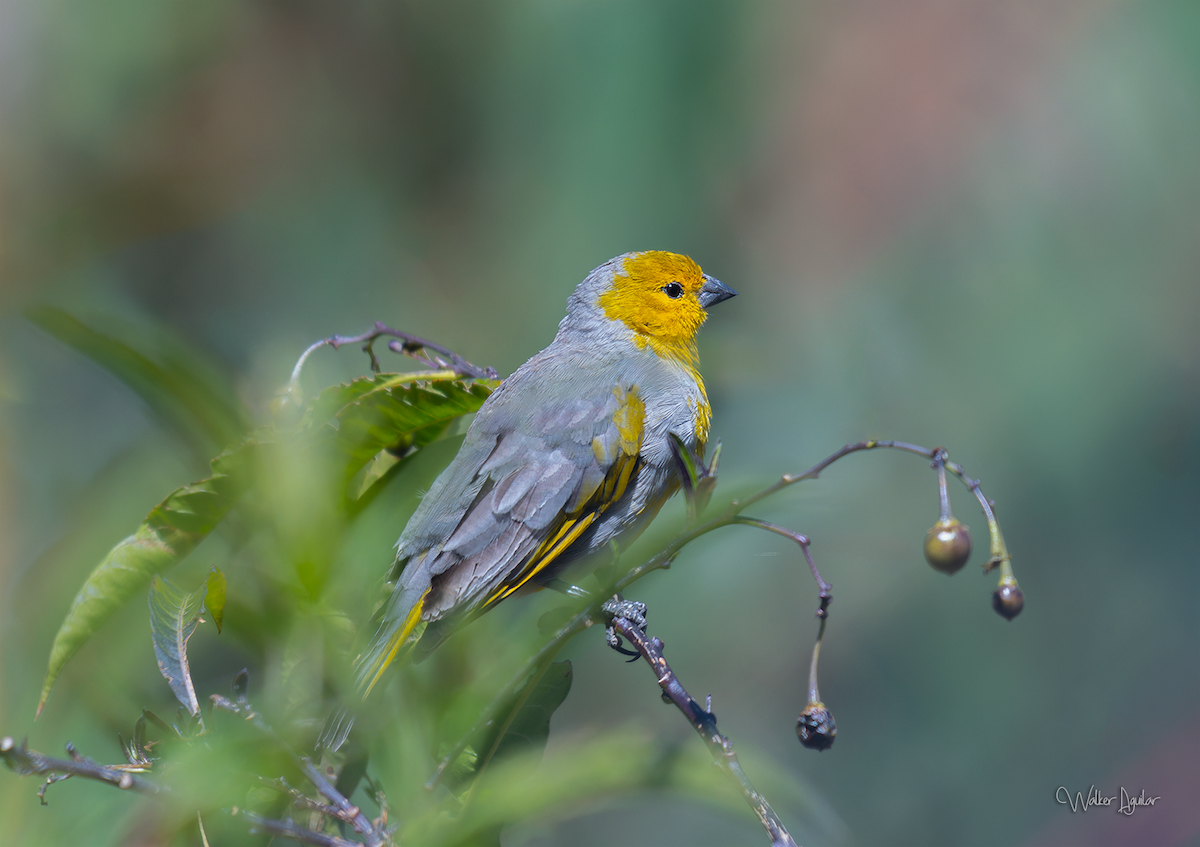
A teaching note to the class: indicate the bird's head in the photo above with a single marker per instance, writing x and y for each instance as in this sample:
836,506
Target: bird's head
661,297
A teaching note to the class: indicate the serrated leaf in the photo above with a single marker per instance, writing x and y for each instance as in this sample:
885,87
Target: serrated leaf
170,532
214,596
387,418
403,417
174,615
189,400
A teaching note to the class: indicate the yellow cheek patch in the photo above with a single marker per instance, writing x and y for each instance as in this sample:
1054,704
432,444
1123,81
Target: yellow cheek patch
667,325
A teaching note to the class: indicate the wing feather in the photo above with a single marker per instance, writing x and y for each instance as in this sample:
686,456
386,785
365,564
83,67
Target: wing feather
531,478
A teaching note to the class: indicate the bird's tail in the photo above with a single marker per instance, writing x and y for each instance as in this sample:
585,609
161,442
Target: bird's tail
395,635
400,627
335,730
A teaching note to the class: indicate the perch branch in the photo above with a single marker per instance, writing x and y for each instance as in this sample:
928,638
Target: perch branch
702,720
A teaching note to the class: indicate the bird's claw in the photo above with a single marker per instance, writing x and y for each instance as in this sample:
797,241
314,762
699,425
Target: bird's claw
614,641
629,610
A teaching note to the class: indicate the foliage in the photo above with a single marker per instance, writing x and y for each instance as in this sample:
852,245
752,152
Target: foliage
290,497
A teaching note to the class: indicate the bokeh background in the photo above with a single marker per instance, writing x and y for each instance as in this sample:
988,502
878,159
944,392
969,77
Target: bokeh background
954,222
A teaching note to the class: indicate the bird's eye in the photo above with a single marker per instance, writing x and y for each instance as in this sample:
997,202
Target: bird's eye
673,290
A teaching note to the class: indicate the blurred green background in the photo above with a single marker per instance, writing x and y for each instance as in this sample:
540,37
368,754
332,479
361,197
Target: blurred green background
953,222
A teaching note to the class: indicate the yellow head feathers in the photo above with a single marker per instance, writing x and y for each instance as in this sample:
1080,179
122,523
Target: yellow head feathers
661,297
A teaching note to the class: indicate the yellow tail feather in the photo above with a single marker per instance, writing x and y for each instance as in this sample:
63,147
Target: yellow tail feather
394,644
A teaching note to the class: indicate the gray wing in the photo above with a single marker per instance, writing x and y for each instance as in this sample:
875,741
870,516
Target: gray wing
533,473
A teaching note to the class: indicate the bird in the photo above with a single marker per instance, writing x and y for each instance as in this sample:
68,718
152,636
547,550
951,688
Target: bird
568,455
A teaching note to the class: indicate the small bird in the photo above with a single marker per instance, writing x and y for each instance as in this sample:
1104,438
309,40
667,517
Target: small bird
568,454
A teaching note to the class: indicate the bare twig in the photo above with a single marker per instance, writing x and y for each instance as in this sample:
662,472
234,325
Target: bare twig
593,613
702,720
426,352
28,762
826,590
663,559
288,829
300,799
340,807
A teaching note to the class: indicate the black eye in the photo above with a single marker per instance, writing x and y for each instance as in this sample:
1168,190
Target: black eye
673,290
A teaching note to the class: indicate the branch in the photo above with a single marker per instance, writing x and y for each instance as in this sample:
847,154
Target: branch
1007,599
701,719
694,473
426,352
26,762
287,829
340,808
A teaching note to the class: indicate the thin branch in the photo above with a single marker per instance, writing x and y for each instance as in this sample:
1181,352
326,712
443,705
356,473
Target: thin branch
422,350
288,829
300,799
663,559
705,724
28,762
803,541
593,614
341,808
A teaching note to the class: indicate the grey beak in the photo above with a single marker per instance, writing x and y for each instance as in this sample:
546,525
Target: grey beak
714,291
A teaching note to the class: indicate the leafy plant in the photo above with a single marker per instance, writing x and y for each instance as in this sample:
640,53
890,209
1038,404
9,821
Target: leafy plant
291,496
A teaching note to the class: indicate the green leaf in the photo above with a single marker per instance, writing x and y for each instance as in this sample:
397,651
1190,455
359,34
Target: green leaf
403,418
523,725
577,772
698,480
174,615
214,596
189,400
171,531
530,726
387,418
357,420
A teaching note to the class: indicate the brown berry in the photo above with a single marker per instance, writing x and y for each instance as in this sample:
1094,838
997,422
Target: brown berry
948,545
1008,600
816,728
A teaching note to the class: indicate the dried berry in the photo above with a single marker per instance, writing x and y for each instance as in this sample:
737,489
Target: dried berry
815,727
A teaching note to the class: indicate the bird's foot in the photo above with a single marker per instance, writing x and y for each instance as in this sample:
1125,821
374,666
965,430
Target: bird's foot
630,610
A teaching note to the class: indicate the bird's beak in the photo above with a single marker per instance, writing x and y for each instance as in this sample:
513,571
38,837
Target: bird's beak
714,291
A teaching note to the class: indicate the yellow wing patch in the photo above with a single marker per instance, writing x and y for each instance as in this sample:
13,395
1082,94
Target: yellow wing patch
629,419
702,414
547,552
